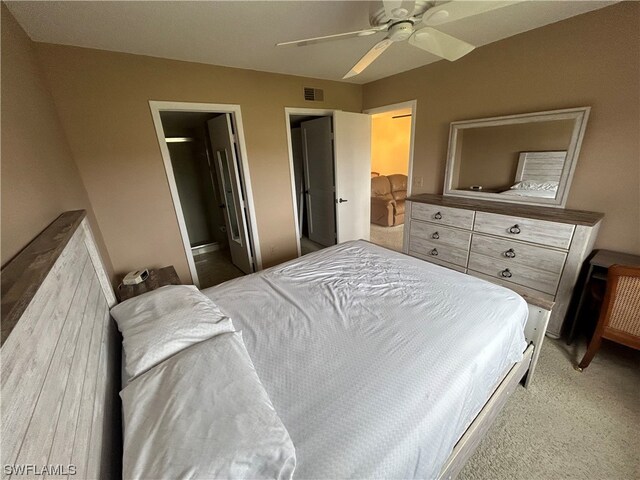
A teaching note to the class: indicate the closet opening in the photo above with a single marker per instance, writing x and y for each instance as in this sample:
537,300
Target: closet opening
329,163
204,163
392,134
313,166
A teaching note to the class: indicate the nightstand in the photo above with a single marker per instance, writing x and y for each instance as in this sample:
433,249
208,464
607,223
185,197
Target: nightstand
157,278
597,270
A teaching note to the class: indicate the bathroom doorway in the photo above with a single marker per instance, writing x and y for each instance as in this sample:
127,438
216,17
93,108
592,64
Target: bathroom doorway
208,180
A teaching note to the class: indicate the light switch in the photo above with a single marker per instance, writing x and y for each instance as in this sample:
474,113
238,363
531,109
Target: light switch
418,181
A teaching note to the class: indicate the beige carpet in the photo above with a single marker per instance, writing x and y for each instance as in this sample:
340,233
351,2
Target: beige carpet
390,237
568,424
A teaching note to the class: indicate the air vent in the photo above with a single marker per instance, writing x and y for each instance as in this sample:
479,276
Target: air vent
313,94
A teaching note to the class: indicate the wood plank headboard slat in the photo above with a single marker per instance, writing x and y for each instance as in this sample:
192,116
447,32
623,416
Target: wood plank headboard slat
60,363
541,166
24,274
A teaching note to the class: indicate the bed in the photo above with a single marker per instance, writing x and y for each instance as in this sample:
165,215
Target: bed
359,396
427,358
538,174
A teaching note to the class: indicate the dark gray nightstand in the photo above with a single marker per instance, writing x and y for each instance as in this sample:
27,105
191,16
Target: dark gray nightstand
157,278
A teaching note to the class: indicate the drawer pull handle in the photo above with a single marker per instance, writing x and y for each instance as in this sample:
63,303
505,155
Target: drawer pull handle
434,252
506,273
438,216
510,253
435,236
515,229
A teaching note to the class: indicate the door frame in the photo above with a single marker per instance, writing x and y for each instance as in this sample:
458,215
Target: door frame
156,107
413,105
288,112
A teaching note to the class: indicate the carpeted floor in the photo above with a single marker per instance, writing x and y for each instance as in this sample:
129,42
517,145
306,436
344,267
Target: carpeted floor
568,425
390,237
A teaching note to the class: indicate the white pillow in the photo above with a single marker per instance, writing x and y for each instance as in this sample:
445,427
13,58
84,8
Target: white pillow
535,185
162,322
204,414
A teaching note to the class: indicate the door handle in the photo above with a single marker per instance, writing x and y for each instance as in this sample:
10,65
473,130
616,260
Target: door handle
342,200
222,205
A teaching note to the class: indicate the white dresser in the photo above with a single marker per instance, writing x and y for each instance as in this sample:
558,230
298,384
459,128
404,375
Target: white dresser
535,251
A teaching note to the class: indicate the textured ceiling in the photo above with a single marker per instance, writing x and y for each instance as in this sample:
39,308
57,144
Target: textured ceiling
244,33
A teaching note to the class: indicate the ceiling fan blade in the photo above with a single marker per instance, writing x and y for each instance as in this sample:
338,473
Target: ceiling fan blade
440,44
398,9
456,10
337,36
369,57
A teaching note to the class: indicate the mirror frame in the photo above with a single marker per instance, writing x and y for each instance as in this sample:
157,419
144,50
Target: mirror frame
580,115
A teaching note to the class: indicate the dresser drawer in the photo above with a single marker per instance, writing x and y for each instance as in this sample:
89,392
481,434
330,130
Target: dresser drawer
525,229
440,234
447,253
540,280
442,263
454,217
520,254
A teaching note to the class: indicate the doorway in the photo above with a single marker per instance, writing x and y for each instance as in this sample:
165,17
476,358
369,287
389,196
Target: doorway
313,165
202,149
329,154
392,135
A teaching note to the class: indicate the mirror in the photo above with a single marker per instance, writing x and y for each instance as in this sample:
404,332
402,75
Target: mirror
528,158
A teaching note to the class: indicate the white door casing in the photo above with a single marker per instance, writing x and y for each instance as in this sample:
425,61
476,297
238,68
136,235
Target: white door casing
156,107
317,153
226,164
352,145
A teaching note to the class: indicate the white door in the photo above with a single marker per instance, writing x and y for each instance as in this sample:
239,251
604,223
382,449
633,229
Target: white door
227,167
353,175
317,153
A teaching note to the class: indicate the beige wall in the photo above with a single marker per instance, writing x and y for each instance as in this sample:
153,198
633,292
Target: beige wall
39,177
592,59
489,155
390,138
102,99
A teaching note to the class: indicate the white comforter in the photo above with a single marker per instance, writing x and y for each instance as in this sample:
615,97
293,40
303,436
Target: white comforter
376,362
203,414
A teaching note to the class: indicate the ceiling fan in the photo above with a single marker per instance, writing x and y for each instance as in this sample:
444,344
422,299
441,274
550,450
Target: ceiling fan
412,20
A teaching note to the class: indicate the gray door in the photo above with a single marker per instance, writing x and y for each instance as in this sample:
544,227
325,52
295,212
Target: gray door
317,150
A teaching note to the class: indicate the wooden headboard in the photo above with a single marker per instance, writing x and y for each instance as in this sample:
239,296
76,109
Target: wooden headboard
60,357
541,166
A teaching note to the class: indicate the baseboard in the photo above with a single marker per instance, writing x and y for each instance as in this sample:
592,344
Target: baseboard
209,247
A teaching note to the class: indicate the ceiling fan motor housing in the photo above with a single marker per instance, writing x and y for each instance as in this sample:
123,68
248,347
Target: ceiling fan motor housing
378,16
400,31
